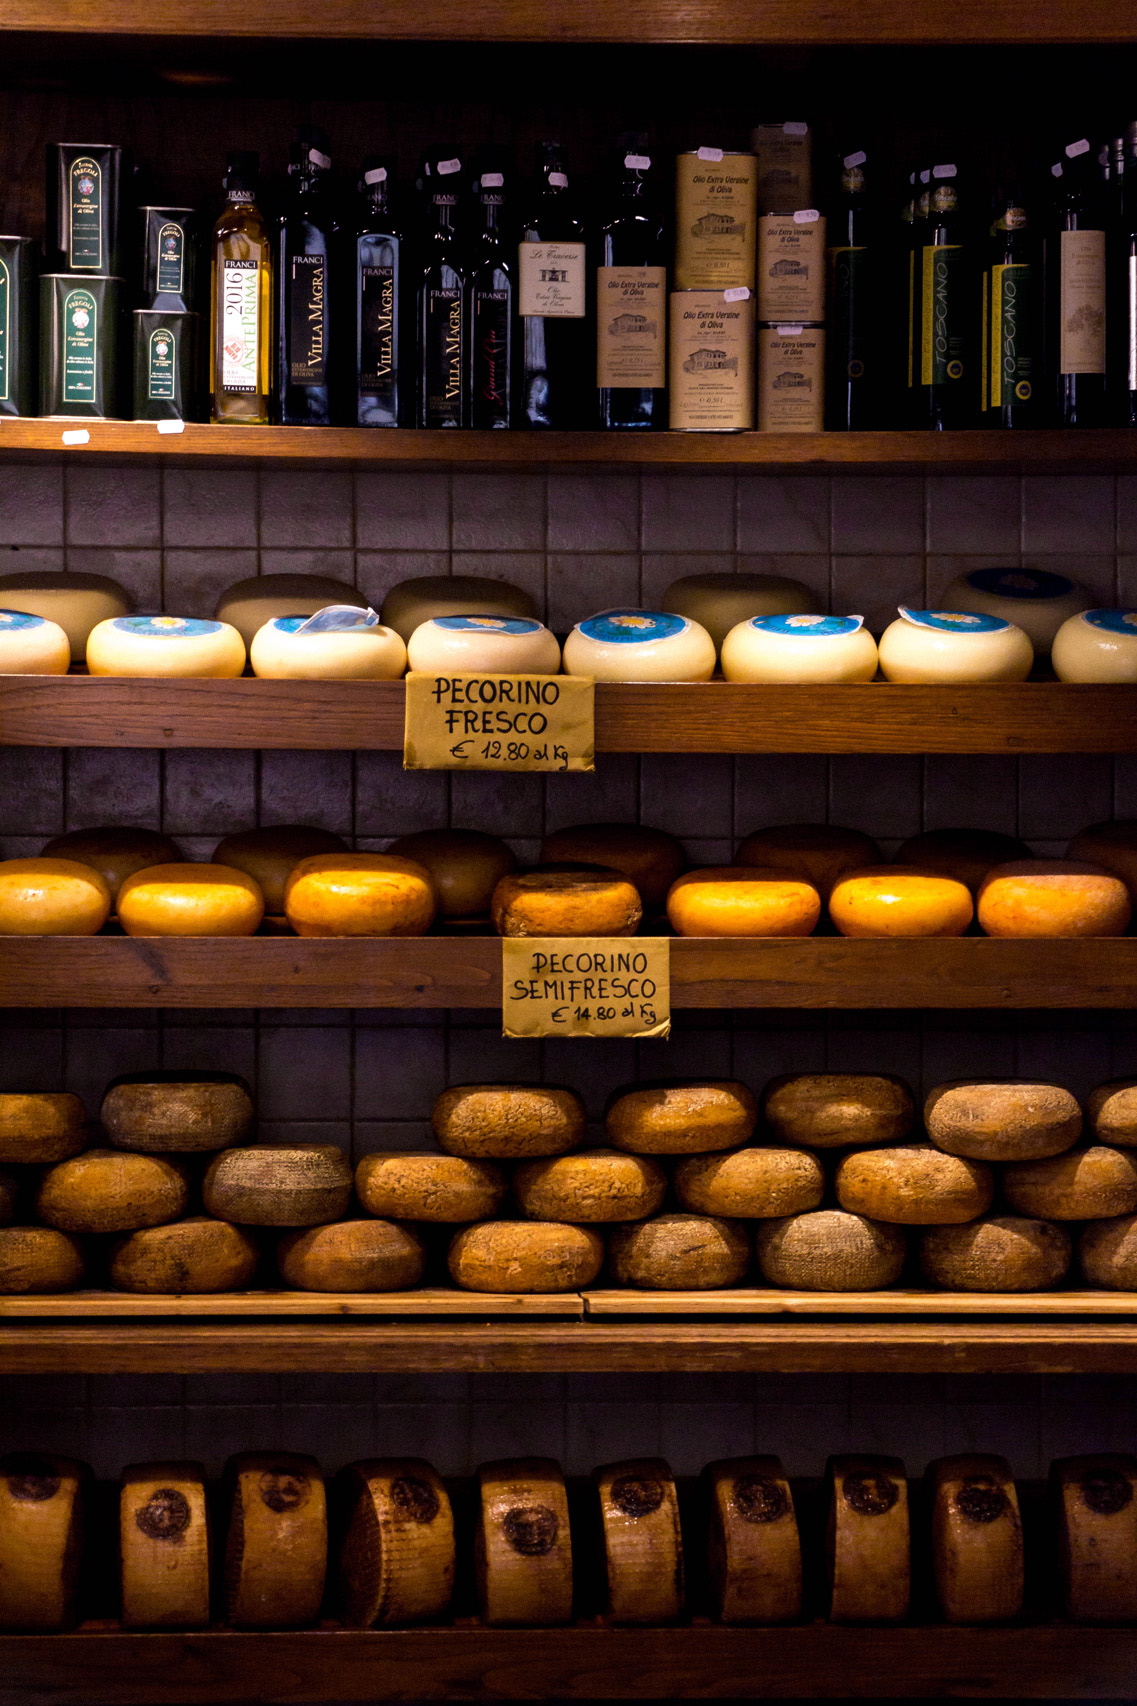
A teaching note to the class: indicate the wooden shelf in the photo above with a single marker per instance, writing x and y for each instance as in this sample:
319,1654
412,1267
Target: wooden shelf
429,1301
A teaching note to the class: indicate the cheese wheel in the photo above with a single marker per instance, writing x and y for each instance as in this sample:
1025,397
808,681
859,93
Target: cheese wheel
953,646
1003,1253
679,1252
177,1112
410,603
465,867
649,858
508,1122
41,1539
750,1184
1111,1112
289,649
38,1260
869,1549
524,1256
566,903
276,1548
31,645
51,897
1002,1121
800,649
682,1119
899,900
523,1544
359,894
830,1250
105,1190
1097,1537
396,1558
279,1184
835,1110
353,1255
753,1545
77,602
190,900
1053,897
1093,1183
248,604
164,1546
1110,846
41,1125
1035,600
1107,1251
977,1542
640,645
269,856
916,1185
963,854
411,1185
116,853
819,852
641,1539
592,1185
719,602
1098,645
484,644
165,646
186,1259
742,900
9,1198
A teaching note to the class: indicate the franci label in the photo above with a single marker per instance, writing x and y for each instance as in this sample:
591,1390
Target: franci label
498,722
586,986
240,304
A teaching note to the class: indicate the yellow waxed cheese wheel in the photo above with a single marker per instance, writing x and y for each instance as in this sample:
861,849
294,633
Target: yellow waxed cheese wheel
899,900
1097,1537
1004,1253
742,900
682,1119
249,604
566,903
41,1125
174,647
271,855
1002,1121
679,1252
1053,897
465,867
525,1256
31,645
830,1250
649,858
41,1539
1035,600
1107,1251
412,1185
189,1258
484,645
965,854
834,1110
819,852
1111,1112
641,1539
719,602
1094,1183
281,651
396,1560
750,1184
353,1255
410,603
105,1190
950,646
9,1197
869,1548
800,649
523,1544
164,1546
278,1184
51,897
977,1542
190,900
917,1185
77,602
38,1260
640,645
594,1185
1112,847
276,1549
508,1122
176,1112
1098,645
359,894
753,1545
116,853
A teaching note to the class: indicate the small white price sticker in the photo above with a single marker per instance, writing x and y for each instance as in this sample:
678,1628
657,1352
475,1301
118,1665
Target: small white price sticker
499,722
586,986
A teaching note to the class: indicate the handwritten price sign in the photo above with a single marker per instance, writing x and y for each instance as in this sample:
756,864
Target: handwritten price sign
586,986
498,722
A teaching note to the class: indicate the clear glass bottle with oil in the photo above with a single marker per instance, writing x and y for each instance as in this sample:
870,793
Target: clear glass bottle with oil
240,380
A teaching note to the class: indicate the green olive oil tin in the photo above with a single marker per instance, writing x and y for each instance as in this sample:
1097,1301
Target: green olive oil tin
165,365
79,346
169,257
19,312
85,230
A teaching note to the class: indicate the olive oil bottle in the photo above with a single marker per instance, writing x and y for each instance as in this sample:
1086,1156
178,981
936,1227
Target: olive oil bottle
240,380
947,368
855,380
1011,324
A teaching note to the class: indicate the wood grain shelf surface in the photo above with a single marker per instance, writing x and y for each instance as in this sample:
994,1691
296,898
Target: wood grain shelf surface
602,1304
430,1301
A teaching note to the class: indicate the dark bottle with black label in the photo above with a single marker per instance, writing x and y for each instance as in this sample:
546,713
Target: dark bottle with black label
378,263
1076,328
1121,281
855,377
552,301
947,377
1011,298
303,322
439,306
490,291
631,298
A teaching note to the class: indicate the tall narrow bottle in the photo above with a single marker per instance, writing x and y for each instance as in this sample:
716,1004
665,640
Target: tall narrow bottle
631,299
490,290
1121,282
1076,290
552,290
855,380
241,296
915,223
947,381
378,265
439,309
304,287
1011,317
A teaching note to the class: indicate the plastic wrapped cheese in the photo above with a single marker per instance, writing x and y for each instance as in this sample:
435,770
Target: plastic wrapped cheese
953,646
31,645
1098,645
339,643
800,648
174,646
77,602
481,644
1035,600
640,645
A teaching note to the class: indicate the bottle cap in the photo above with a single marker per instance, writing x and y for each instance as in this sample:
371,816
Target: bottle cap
858,159
1073,149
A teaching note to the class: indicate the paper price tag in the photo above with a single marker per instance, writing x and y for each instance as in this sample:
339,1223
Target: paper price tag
498,722
586,986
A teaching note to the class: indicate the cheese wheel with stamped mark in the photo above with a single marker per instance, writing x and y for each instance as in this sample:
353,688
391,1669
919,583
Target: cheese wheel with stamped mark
276,1549
835,1110
353,1255
1107,1251
523,1256
38,1126
1002,1253
190,1257
750,1184
643,1545
107,1190
9,1198
164,1546
279,1184
914,1185
165,646
682,1119
679,1252
522,1544
869,1550
1111,1112
1084,1184
508,1122
177,1112
977,1542
41,1539
396,1561
754,1549
38,1260
1097,1536
830,1250
415,1185
594,1185
1002,1120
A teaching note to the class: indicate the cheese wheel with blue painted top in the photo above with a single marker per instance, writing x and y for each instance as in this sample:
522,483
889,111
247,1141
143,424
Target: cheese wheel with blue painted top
339,644
175,647
31,645
484,645
1098,645
640,645
950,646
1035,600
800,648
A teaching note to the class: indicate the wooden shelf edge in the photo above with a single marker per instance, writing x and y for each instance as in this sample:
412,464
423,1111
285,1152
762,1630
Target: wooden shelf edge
430,1302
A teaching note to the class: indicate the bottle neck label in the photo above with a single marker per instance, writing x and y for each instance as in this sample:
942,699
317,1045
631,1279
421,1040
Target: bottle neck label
551,280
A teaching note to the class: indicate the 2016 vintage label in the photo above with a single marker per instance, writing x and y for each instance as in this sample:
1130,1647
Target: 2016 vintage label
586,986
498,722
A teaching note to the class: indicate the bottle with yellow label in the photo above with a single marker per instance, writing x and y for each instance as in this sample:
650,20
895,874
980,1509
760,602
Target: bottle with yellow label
631,298
241,366
946,362
1011,292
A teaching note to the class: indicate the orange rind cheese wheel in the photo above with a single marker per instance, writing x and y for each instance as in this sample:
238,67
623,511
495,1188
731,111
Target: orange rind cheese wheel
742,900
900,900
52,897
360,894
1053,897
190,900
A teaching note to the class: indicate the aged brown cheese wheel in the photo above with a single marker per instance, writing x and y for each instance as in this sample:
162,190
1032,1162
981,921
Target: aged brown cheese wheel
869,1551
819,852
1107,1251
1097,1537
965,854
977,1542
522,1544
396,1561
116,853
750,1184
649,858
465,865
105,1190
271,855
279,1184
566,903
592,1185
753,1546
38,1260
9,1197
643,1546
679,1252
914,1185
833,1110
164,1546
525,1256
177,1112
830,1250
1002,1121
353,1255
413,1185
1084,1184
189,1257
682,1119
276,1548
508,1122
1111,1112
41,1539
1002,1253
40,1126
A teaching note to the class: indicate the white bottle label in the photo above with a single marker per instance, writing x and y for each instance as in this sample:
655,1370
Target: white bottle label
1082,315
240,310
551,280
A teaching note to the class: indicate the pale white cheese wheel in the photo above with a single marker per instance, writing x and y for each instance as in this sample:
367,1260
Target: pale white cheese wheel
249,604
800,648
490,645
76,601
640,645
164,1546
170,646
31,645
283,651
953,646
1035,600
719,602
1098,645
